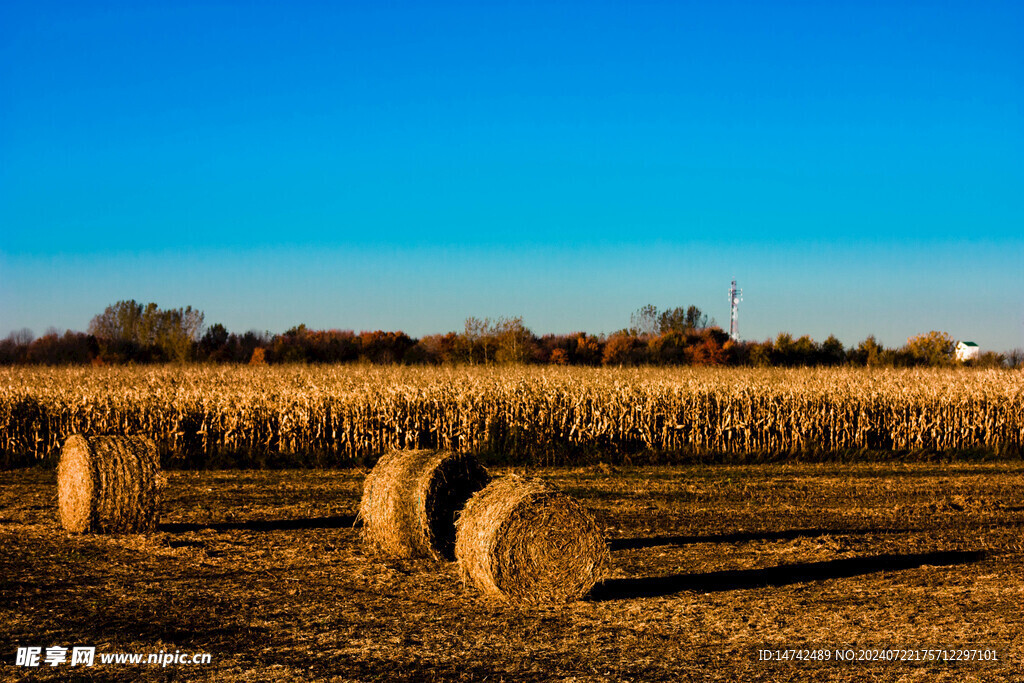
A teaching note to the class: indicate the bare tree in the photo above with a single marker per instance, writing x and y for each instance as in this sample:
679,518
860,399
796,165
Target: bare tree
22,337
644,321
477,337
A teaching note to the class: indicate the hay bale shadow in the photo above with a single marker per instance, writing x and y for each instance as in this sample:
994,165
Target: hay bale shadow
783,575
336,522
745,536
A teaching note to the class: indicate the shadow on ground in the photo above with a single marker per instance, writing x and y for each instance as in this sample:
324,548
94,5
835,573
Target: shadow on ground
783,575
338,522
743,536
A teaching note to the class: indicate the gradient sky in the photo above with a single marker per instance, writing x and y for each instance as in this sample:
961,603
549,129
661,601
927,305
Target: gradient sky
857,166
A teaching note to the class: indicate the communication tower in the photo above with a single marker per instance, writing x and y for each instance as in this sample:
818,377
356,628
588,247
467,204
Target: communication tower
735,297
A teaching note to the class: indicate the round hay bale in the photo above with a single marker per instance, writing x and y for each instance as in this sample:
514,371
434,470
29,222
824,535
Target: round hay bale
108,484
521,539
410,500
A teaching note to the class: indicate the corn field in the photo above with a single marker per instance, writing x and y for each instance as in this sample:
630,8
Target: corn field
338,415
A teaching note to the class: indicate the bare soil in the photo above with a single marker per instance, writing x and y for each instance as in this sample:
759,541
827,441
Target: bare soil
264,571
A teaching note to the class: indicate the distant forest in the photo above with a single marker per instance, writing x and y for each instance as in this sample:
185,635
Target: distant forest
130,332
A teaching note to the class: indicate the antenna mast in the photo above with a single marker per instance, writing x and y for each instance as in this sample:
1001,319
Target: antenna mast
735,297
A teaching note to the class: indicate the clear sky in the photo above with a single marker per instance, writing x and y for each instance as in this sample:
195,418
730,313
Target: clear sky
857,166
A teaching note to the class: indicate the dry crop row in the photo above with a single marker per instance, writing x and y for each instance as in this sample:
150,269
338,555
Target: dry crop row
346,414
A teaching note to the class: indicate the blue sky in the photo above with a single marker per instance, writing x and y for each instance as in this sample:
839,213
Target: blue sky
857,167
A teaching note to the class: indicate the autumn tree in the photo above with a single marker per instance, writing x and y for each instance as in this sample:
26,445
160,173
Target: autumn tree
384,347
56,349
587,349
668,348
441,348
933,348
710,348
623,348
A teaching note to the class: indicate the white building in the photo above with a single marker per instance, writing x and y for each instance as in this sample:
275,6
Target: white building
966,350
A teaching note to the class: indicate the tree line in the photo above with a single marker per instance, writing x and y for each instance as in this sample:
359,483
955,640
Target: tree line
129,332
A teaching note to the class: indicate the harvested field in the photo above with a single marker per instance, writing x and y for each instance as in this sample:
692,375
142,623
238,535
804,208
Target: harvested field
263,570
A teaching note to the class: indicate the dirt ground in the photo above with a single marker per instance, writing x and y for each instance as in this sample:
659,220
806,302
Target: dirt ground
264,571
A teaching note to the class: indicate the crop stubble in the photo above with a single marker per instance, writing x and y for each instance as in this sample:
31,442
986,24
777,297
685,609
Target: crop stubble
263,570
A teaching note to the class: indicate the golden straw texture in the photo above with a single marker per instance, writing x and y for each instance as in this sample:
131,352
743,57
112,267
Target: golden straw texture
410,500
521,539
109,484
542,415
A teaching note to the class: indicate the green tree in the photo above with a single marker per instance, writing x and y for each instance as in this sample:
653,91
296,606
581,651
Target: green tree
214,342
832,351
784,349
149,326
690,319
291,346
869,352
696,319
118,322
116,331
178,331
513,340
805,351
760,354
128,330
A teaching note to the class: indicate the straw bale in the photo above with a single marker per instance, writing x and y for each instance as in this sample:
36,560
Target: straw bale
109,484
411,498
522,540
